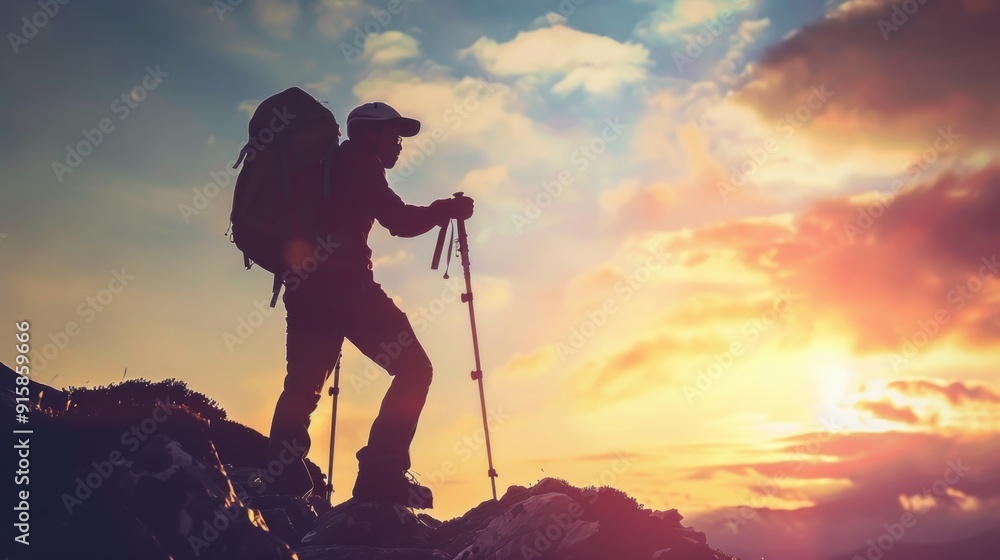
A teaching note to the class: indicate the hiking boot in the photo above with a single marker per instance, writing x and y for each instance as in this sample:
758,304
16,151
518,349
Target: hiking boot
293,480
401,488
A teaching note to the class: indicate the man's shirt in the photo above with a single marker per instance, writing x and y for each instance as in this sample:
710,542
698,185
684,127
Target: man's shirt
359,195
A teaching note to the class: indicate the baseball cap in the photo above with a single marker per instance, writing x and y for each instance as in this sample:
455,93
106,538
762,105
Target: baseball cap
379,111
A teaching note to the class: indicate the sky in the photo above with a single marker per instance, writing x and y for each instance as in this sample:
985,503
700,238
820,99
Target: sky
735,258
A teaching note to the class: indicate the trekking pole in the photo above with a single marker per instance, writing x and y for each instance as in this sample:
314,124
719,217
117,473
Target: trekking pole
335,393
477,374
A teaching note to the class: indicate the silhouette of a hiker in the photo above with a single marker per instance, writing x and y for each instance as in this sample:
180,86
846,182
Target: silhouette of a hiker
342,300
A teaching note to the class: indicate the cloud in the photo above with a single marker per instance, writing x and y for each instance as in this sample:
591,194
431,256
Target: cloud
670,20
324,85
917,502
747,33
486,181
530,365
640,207
889,411
390,47
278,17
675,138
390,259
548,20
641,365
897,79
925,263
957,392
958,407
334,17
596,64
857,482
248,106
492,292
640,204
470,113
602,457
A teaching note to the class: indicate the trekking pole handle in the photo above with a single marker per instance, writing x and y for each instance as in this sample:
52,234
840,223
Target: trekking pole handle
439,246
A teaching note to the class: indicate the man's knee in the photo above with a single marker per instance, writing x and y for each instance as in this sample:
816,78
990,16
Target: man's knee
303,398
417,372
302,386
424,374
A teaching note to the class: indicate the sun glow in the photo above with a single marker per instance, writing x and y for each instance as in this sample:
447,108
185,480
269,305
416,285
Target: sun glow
835,385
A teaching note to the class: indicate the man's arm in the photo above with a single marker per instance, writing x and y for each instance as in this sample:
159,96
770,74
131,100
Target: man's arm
401,219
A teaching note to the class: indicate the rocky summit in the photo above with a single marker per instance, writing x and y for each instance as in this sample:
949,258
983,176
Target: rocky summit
157,472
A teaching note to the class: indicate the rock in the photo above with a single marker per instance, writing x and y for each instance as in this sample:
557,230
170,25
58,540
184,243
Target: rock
337,552
369,524
192,508
579,539
246,480
686,549
676,535
319,504
670,518
549,485
533,528
278,523
298,512
514,495
456,534
168,497
428,520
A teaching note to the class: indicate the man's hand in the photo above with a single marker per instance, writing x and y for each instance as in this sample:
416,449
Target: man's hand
462,207
459,207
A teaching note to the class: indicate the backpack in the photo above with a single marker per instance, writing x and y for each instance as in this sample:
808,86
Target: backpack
284,182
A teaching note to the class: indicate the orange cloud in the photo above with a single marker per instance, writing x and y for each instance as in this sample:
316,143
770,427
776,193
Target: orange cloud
956,393
944,408
898,270
529,365
642,365
887,410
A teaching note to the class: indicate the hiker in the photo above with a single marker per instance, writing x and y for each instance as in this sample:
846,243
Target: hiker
342,300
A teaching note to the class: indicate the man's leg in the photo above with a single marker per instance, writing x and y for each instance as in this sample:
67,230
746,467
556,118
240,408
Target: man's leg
313,344
383,333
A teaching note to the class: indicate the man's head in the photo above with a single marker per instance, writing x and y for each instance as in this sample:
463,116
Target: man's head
381,129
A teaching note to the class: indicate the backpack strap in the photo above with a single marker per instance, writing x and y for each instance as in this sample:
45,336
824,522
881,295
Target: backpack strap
275,288
243,154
